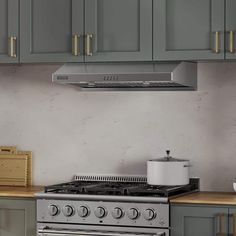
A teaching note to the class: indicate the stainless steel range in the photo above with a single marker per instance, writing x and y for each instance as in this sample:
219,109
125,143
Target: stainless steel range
107,205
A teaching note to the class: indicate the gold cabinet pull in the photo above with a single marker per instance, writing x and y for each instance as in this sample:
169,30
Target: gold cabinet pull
216,42
231,42
12,41
221,217
234,225
89,38
75,44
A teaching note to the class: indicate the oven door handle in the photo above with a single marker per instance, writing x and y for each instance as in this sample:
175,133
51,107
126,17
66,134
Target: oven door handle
58,232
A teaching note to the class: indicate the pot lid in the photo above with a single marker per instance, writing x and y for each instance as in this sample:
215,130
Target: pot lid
168,158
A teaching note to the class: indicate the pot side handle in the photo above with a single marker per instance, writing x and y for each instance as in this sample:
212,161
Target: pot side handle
187,165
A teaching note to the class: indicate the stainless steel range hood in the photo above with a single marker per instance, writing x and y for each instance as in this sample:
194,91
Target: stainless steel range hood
129,76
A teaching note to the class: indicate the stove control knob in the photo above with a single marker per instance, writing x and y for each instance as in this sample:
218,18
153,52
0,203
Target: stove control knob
133,213
53,210
83,211
68,211
149,214
100,212
117,213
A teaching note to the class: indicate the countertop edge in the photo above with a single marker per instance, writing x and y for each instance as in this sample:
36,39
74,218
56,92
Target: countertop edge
207,198
19,192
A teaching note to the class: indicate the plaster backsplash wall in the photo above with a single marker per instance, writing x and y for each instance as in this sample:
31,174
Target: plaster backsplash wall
116,132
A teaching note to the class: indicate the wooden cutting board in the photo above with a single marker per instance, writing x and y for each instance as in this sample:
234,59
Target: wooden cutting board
13,170
29,167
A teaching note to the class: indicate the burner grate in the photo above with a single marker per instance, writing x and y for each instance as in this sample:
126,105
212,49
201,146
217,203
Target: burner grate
159,191
137,189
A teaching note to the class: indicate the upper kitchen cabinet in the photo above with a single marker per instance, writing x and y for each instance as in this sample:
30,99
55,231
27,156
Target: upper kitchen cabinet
230,29
189,29
51,30
9,35
118,30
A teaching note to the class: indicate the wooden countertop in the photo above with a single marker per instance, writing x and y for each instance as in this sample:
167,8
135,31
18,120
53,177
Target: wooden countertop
24,192
215,198
210,198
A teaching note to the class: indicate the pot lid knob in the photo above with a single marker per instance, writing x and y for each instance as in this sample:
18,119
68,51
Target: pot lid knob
168,155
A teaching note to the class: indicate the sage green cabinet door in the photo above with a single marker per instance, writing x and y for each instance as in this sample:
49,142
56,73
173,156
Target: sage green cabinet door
9,25
230,29
186,29
121,30
232,221
17,217
47,28
198,221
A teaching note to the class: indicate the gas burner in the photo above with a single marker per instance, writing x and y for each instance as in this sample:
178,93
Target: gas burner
93,188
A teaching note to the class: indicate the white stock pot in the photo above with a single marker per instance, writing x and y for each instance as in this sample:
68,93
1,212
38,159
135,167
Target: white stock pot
168,171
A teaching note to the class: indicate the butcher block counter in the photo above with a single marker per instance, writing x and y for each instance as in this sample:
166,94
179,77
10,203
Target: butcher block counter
215,198
21,192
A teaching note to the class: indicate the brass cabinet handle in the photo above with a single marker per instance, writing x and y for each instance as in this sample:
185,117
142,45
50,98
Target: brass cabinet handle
75,44
12,41
231,42
234,224
221,223
221,217
216,42
89,38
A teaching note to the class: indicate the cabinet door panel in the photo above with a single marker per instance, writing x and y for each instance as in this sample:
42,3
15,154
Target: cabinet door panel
46,37
8,28
17,217
47,27
232,222
230,26
3,27
196,220
121,29
184,29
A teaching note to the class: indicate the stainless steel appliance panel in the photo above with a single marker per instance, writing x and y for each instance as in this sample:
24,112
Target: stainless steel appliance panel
160,219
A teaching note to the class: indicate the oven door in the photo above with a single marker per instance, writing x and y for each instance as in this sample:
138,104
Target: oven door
72,232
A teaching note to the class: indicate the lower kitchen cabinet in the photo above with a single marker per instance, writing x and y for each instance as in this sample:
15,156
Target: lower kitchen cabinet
196,220
17,217
232,221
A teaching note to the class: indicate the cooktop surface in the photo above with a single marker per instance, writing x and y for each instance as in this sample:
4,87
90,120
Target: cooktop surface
139,189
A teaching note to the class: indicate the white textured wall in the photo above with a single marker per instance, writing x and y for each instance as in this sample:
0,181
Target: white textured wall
116,132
